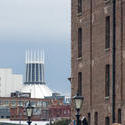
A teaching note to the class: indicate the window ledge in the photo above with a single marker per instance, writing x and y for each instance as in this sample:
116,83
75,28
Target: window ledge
107,1
107,98
79,58
79,14
107,49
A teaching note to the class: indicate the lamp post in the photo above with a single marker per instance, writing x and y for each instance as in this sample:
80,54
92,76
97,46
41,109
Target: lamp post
78,103
29,111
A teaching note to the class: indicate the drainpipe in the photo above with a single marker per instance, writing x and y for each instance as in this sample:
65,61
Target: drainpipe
114,61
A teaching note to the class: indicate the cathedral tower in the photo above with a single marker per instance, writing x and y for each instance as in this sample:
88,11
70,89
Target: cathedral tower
34,79
34,67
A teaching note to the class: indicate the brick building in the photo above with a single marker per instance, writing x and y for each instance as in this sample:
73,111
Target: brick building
14,108
60,111
92,59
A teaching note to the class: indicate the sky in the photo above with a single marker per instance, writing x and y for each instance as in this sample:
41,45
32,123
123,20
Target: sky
37,24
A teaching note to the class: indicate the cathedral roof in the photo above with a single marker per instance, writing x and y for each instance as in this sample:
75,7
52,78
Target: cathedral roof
37,90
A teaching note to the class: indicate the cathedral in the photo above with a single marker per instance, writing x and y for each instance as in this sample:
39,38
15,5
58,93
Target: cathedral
35,77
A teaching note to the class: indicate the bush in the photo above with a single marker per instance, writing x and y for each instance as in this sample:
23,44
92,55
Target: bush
62,122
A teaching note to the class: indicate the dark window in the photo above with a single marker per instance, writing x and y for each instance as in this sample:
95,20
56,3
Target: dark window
7,116
2,116
80,42
89,118
119,116
107,121
80,83
79,6
107,80
107,34
96,118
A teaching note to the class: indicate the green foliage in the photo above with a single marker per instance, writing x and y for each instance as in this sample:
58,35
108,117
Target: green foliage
62,122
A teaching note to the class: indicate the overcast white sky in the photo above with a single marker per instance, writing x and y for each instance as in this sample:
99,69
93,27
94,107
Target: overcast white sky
43,24
34,18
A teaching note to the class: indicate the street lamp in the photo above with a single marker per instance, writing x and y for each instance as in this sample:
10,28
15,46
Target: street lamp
29,111
78,103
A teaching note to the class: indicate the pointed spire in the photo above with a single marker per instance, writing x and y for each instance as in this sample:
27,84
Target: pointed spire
31,56
34,56
43,56
38,58
26,57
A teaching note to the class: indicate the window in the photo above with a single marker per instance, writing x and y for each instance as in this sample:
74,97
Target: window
7,116
79,6
2,116
119,116
107,80
80,83
89,118
96,118
80,42
107,121
107,32
13,103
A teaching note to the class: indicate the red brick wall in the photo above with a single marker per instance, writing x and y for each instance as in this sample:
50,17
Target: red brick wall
95,57
60,111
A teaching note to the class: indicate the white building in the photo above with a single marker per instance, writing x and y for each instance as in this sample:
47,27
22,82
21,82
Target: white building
9,82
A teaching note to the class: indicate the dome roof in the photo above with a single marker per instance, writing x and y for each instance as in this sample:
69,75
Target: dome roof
37,90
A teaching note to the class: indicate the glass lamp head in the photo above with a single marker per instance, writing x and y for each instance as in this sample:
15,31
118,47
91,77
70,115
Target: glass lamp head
29,110
78,101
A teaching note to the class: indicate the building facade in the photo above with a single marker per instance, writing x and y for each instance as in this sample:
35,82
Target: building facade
92,60
14,108
35,78
9,82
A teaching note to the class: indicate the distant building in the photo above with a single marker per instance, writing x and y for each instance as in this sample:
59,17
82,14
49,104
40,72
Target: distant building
67,100
14,108
4,112
35,79
34,67
57,96
59,111
9,82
